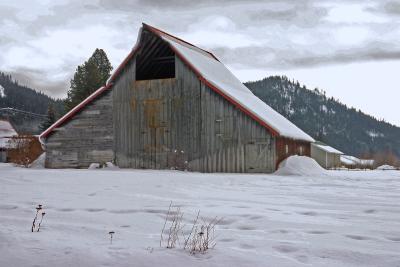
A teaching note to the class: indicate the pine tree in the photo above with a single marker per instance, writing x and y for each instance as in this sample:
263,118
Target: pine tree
88,77
51,118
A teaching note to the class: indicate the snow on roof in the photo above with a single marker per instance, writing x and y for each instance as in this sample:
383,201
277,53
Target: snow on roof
351,160
215,75
328,149
6,131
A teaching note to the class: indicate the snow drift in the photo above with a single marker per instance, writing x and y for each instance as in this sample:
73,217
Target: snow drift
300,166
39,162
386,168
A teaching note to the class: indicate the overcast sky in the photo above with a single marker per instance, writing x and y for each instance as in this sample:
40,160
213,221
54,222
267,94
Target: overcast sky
350,49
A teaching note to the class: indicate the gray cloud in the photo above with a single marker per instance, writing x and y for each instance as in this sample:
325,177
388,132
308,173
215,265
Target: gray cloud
271,34
392,7
281,59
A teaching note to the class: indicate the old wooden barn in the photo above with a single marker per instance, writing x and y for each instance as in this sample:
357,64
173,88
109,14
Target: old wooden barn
171,104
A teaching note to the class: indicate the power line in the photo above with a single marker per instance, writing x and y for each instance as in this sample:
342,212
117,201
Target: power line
13,110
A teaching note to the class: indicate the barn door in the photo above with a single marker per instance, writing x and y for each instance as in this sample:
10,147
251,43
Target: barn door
155,99
257,157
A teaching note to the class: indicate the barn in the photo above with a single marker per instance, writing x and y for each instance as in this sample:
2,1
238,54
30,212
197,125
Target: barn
168,105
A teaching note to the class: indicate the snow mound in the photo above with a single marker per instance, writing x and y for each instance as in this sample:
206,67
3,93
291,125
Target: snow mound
300,166
106,165
39,162
94,166
386,167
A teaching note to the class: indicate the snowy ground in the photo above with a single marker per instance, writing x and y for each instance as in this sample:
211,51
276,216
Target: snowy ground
340,219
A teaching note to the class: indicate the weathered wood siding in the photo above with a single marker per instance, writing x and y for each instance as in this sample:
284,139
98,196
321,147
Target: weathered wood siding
287,147
180,122
85,139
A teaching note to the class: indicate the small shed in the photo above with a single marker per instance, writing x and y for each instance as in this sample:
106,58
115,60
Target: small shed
171,104
352,162
327,156
6,132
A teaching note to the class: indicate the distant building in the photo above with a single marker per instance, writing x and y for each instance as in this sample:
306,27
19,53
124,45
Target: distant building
354,162
327,156
171,104
6,132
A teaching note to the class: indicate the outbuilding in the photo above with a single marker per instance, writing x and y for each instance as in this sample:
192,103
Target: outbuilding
7,131
171,104
327,156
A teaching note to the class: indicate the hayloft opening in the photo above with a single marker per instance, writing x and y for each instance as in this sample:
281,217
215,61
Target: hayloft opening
156,60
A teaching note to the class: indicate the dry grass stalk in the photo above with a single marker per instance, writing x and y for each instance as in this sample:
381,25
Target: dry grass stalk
175,227
202,236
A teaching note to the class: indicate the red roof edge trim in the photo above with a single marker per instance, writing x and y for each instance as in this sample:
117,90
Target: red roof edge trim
158,32
75,110
220,92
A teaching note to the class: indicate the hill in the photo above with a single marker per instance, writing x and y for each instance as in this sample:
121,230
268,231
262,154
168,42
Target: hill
31,103
327,119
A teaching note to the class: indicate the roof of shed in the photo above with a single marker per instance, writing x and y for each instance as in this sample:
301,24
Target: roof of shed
327,148
216,76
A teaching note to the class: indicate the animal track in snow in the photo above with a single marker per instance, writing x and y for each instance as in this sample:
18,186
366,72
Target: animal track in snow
358,237
309,213
94,210
285,248
317,232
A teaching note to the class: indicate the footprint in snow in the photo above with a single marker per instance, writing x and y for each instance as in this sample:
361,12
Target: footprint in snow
395,239
94,210
285,248
246,246
369,211
65,210
317,232
8,207
309,213
225,240
358,237
246,227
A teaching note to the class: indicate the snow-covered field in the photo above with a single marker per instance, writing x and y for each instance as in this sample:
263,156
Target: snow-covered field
338,219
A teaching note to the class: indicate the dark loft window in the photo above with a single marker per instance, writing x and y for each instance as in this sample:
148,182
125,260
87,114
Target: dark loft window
155,61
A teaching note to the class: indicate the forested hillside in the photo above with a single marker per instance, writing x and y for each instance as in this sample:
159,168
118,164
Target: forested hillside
16,96
326,119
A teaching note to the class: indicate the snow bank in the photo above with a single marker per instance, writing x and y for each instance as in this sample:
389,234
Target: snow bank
39,162
107,165
386,167
350,219
300,166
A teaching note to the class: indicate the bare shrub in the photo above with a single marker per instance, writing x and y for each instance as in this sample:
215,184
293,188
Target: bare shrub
386,158
24,149
176,160
175,227
202,236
